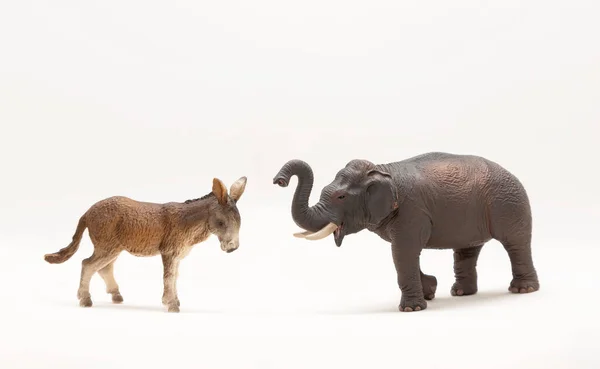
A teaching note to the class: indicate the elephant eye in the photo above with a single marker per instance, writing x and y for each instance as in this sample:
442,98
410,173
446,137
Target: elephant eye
341,197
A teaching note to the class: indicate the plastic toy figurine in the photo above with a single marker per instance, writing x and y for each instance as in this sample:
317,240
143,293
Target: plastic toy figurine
431,201
148,229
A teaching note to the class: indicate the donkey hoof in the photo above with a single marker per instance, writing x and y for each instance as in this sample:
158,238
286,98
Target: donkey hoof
85,302
168,302
117,298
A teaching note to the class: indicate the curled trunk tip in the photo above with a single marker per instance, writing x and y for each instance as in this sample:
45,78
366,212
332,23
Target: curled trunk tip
309,218
293,167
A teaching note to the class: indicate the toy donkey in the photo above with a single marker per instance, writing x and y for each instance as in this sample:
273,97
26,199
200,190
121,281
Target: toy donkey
149,229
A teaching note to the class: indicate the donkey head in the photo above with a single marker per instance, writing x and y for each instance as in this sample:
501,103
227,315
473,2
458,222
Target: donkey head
224,219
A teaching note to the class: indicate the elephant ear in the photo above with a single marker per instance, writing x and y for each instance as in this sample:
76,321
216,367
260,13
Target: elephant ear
381,199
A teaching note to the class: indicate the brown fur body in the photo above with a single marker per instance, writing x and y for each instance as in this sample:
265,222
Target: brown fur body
118,224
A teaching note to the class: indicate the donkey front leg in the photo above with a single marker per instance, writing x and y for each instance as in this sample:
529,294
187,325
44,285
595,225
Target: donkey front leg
171,271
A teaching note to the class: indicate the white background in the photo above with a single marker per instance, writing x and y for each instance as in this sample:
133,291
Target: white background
152,100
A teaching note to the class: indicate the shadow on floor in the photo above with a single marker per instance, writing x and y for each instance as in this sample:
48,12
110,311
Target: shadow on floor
439,303
158,308
458,302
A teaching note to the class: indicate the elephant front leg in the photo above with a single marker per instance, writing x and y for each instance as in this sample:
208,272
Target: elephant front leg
429,284
409,278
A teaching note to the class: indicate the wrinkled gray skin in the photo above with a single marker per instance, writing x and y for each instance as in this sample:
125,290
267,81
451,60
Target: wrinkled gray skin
431,201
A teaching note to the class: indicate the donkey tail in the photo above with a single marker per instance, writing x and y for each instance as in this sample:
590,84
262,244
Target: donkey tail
65,254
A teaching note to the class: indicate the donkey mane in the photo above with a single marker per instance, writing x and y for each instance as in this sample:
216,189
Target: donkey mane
199,198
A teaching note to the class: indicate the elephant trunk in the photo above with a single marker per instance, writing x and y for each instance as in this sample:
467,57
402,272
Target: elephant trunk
312,218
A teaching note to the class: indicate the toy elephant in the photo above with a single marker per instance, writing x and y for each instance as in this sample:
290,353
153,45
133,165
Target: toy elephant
430,201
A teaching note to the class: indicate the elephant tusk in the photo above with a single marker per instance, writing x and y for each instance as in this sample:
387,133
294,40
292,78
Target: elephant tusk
302,234
326,231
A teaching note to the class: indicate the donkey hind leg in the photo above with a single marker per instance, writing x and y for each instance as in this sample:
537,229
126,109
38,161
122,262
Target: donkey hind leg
107,274
465,271
89,267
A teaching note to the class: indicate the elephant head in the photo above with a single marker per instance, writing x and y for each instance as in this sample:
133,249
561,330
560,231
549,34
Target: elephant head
360,196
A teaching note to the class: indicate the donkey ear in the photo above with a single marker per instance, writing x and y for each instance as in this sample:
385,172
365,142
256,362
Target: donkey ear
237,188
220,191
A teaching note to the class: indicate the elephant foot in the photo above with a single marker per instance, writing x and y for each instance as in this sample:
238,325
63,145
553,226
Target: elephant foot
464,288
429,284
412,304
523,285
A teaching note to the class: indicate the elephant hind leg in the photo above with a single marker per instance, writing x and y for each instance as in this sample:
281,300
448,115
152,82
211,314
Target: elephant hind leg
525,278
511,225
429,284
465,271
